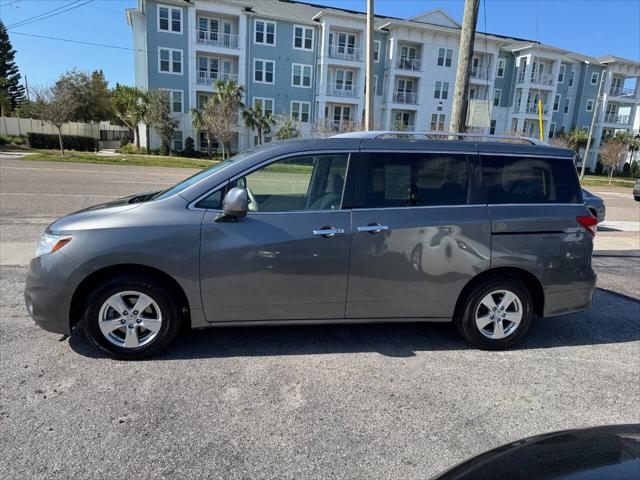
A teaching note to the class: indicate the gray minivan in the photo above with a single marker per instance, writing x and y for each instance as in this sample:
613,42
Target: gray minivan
366,227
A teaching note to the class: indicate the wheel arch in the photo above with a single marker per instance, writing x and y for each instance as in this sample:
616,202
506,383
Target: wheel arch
83,290
528,279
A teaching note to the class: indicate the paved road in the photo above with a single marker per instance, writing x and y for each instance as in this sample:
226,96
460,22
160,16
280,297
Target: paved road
369,401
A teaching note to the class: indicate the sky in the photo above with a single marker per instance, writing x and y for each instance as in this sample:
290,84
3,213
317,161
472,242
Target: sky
591,27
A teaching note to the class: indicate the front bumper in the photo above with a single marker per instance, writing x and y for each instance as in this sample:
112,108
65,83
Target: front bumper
47,294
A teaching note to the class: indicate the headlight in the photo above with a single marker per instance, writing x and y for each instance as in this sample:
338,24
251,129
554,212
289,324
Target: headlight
50,243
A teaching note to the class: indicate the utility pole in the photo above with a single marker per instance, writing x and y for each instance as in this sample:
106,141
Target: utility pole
593,121
368,113
467,38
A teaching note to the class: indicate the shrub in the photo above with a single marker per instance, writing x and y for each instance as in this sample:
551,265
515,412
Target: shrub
164,151
189,147
3,140
18,140
70,142
131,149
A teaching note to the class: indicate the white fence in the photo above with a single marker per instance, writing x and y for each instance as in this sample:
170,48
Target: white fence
14,126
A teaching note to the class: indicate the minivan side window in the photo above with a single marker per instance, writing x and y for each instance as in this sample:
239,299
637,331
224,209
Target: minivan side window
402,179
530,180
305,182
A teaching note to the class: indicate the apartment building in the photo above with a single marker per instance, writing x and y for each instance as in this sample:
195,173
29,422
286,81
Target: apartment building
307,61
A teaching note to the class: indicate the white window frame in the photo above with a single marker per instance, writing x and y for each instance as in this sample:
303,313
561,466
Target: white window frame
594,76
567,105
556,104
571,78
173,141
255,32
589,105
302,75
171,92
304,29
170,8
300,104
492,126
264,72
552,130
444,57
493,100
502,64
377,44
375,85
171,50
561,73
263,100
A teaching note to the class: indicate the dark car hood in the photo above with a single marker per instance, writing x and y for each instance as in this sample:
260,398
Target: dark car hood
82,219
611,452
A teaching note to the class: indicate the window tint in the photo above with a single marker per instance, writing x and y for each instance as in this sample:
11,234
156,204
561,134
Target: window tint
416,179
307,182
530,180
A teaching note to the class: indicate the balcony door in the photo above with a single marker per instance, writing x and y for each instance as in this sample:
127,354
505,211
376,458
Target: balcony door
346,43
344,81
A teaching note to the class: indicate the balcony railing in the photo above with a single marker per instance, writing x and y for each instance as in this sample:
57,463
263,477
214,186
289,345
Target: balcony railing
412,64
621,92
341,52
209,78
480,73
542,79
342,90
405,97
531,108
217,39
617,119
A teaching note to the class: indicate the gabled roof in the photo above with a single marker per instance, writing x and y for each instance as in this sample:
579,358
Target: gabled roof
437,16
613,58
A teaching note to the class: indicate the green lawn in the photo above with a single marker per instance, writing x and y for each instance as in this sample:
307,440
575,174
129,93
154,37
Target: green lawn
598,181
119,159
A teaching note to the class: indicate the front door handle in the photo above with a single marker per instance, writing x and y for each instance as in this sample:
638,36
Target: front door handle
373,228
328,232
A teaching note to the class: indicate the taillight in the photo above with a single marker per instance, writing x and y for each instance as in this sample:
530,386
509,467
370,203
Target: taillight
589,222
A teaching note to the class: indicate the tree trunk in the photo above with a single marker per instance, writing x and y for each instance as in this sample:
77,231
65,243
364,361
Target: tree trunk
259,136
148,140
60,139
610,175
209,152
136,133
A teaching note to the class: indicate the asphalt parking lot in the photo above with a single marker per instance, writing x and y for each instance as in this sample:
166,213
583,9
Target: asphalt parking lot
365,401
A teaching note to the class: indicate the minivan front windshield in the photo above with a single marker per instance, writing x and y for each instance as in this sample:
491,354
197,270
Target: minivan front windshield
200,176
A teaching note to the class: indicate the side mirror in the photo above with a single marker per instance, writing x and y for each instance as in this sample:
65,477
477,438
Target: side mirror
235,204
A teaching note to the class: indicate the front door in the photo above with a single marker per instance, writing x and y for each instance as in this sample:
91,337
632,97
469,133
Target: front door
415,239
288,258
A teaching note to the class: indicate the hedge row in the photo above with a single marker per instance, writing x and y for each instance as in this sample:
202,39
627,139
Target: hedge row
70,142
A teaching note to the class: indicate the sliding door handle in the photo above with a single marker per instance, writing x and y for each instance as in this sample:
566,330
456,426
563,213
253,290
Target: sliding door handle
328,232
373,228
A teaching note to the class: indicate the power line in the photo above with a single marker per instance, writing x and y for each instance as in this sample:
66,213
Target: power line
40,14
51,13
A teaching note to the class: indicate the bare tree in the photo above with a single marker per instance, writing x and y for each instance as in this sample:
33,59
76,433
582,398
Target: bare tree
560,141
610,154
221,112
55,106
323,128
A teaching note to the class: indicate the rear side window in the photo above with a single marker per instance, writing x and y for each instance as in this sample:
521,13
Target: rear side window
399,179
530,180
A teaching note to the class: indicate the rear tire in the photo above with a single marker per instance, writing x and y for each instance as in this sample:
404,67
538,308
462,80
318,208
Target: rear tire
131,317
496,314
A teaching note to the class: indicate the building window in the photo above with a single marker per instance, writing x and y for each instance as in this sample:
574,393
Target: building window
175,100
263,71
556,102
202,100
265,33
444,57
441,91
403,120
301,75
302,38
170,60
589,105
265,104
497,95
169,19
500,72
300,111
437,121
377,45
571,78
594,78
177,140
566,105
492,128
563,68
552,130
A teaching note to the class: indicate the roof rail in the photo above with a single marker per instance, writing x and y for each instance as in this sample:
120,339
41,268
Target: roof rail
440,135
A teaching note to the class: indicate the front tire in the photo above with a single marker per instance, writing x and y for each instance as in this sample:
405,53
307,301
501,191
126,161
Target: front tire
131,317
496,314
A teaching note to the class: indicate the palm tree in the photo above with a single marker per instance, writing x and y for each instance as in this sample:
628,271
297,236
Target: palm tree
256,120
199,124
129,105
221,111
